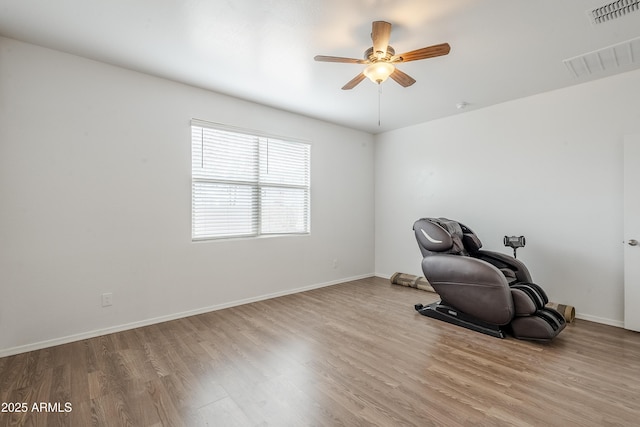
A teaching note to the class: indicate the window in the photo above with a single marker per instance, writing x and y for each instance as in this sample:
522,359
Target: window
247,184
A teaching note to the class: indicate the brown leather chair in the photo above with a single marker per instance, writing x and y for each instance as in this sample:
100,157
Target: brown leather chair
485,291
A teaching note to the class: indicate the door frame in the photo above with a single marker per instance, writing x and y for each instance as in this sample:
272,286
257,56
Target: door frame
631,227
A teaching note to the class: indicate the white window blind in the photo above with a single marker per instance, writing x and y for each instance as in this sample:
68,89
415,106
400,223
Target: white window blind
245,184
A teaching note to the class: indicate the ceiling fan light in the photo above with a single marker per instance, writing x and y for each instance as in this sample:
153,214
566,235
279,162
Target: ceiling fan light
378,72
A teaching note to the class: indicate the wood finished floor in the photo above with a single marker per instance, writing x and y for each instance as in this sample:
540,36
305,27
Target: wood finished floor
354,354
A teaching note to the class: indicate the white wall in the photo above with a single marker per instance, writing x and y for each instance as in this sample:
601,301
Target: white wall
95,196
548,167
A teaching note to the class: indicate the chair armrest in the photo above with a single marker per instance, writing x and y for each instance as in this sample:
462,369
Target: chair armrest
497,258
457,269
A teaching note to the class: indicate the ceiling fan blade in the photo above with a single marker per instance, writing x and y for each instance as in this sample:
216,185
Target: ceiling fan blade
354,82
380,33
424,53
323,58
402,78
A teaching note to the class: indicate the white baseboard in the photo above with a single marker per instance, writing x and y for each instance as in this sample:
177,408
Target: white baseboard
118,328
603,320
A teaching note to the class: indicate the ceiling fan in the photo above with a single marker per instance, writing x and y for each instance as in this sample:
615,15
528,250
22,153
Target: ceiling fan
381,57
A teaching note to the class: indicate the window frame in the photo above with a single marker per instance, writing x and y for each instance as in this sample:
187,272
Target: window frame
257,186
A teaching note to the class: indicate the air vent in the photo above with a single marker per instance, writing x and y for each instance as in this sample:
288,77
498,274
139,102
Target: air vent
613,10
620,57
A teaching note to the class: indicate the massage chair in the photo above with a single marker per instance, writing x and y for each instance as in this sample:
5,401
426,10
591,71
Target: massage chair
485,291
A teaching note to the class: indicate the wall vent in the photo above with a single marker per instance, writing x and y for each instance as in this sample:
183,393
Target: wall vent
613,10
619,57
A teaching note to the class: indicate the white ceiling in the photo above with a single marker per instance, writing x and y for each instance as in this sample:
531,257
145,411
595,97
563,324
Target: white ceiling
262,50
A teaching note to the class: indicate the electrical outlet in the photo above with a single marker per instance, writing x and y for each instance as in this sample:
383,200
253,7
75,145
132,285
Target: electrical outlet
107,299
335,263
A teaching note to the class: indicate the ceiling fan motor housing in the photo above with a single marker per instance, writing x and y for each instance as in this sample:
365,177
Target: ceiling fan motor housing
371,55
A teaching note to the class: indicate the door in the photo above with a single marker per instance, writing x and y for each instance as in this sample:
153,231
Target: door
632,232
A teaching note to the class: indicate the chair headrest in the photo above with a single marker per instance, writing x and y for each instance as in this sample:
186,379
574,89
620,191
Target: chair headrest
432,236
445,236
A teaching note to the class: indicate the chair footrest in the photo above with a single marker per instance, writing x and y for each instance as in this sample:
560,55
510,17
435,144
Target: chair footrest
543,325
